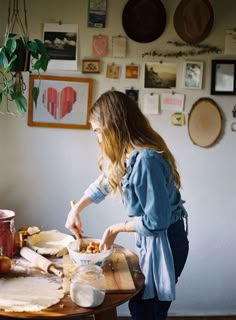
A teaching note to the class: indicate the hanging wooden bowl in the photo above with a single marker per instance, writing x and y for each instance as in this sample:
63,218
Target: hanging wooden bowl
205,122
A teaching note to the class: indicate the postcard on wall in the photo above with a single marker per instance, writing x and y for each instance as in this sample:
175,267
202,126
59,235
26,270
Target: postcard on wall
133,94
119,47
61,41
230,41
132,71
151,103
113,71
160,75
172,101
192,74
100,44
178,119
97,13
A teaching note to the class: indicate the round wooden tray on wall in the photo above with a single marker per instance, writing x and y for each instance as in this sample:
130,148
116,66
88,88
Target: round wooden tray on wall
205,122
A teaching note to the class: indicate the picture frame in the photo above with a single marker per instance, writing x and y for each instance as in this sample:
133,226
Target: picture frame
160,75
131,71
91,66
63,102
192,75
113,71
223,77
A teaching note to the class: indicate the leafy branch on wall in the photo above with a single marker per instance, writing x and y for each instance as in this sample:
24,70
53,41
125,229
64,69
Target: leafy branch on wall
196,49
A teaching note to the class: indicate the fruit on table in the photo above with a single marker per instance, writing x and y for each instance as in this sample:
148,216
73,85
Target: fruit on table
5,264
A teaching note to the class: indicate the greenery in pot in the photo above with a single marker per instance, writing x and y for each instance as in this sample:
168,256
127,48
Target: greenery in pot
12,84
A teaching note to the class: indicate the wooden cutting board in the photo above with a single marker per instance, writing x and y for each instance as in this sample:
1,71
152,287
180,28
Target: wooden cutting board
116,271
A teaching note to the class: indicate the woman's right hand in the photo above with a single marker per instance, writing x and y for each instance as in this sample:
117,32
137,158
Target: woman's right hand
73,222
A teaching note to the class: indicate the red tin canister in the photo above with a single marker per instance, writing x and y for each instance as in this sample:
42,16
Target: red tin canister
7,233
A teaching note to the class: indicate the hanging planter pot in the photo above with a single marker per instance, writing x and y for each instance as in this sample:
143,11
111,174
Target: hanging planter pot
22,62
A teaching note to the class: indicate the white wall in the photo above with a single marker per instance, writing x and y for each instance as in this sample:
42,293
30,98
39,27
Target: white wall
42,169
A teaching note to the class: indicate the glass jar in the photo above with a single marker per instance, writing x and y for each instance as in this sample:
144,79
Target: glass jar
87,288
7,233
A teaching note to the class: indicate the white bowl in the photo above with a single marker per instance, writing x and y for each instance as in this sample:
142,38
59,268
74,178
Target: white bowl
79,258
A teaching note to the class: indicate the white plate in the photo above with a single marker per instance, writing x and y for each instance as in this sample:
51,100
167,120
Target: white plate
50,242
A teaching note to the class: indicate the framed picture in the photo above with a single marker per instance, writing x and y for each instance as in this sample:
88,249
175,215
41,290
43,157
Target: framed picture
192,75
113,71
63,102
131,71
91,66
160,75
223,73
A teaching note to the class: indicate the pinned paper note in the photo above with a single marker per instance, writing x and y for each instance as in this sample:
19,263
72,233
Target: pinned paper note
61,41
172,101
99,48
151,104
230,41
119,45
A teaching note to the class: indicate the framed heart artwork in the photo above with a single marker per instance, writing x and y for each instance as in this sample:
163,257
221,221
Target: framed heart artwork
63,102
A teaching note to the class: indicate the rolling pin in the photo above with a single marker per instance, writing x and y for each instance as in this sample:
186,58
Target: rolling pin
41,262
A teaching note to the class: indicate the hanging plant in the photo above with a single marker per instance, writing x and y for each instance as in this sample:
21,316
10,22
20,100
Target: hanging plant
17,55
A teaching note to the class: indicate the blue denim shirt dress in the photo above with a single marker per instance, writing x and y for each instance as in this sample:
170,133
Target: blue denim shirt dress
154,203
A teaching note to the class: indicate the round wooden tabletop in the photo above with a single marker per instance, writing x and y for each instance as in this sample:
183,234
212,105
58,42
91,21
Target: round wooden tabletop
66,309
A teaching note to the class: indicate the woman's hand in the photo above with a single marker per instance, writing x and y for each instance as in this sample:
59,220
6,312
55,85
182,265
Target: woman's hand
108,238
111,232
73,222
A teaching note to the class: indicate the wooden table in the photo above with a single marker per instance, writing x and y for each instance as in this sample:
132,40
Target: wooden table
66,309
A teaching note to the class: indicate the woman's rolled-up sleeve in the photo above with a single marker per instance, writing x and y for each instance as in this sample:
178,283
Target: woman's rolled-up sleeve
150,185
97,191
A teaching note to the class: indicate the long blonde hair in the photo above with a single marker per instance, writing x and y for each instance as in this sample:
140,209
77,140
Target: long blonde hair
122,123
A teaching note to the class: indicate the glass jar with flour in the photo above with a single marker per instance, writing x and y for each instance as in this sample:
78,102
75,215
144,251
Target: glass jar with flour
87,287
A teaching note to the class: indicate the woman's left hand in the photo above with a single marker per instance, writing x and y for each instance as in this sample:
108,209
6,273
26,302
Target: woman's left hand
109,236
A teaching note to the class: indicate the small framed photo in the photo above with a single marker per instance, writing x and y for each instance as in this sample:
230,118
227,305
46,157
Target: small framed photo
91,66
113,71
192,75
131,71
223,77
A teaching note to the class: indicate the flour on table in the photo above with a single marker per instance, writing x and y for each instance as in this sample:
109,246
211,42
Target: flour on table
28,294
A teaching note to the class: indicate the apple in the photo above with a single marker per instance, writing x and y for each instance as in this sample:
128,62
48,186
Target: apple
5,264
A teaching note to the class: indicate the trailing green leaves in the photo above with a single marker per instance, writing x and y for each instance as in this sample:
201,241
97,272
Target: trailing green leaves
8,58
21,102
35,95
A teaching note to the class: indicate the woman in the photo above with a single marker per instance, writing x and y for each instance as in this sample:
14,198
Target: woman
142,168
